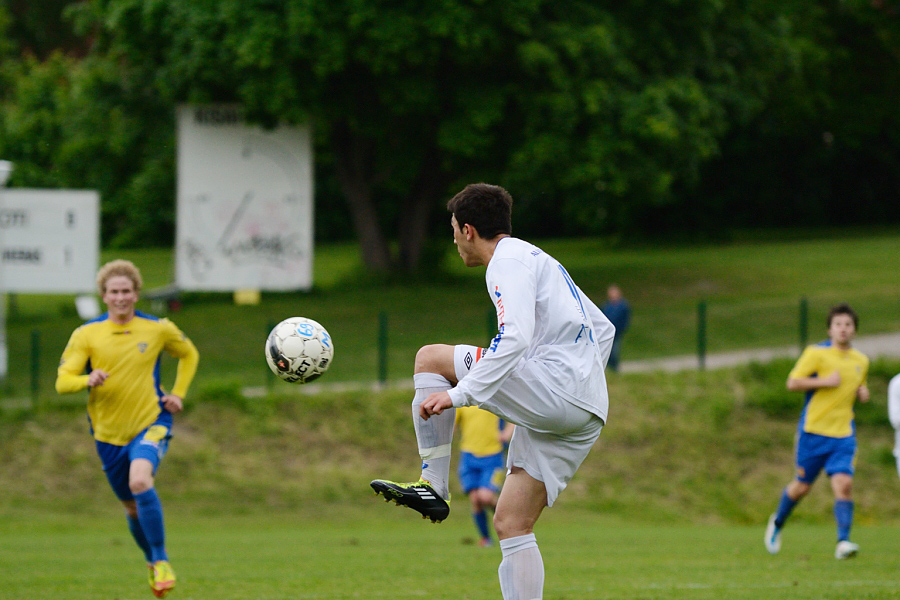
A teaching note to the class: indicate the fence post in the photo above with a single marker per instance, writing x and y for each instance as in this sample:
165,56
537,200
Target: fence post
35,367
382,347
701,334
804,322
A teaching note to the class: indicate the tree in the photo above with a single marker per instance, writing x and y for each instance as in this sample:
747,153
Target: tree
645,117
612,109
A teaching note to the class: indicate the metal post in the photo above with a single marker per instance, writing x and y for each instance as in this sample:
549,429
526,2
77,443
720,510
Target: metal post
701,334
382,346
804,322
35,367
6,168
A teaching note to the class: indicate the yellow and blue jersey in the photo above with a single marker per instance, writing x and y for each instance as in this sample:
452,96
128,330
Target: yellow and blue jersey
129,399
479,431
829,411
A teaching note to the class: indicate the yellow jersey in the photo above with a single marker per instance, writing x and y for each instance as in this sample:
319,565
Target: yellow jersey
479,431
829,411
128,401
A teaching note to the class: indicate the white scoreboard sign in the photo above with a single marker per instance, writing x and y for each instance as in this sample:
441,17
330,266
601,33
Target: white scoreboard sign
49,240
245,203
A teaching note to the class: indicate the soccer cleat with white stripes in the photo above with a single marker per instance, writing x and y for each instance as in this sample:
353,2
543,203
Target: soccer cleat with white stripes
419,496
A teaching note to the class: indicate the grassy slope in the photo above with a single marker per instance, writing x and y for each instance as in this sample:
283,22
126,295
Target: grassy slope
706,447
701,447
752,291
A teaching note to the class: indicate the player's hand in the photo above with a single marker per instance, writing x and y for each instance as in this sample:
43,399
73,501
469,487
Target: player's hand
97,377
863,393
832,380
435,404
172,403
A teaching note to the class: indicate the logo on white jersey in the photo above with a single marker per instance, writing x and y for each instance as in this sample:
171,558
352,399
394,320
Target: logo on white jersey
501,313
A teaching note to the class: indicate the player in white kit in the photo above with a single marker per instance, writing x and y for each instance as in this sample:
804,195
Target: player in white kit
894,414
544,372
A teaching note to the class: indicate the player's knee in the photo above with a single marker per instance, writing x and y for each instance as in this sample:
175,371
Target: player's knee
507,525
797,490
486,498
140,484
843,487
434,358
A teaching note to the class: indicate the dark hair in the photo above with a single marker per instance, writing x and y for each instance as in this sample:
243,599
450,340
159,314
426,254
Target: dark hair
843,309
487,208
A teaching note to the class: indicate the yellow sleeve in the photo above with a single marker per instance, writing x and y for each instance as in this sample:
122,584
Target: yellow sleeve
70,376
807,364
179,346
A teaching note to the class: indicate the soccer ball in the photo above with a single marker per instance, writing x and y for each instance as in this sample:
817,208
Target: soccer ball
299,350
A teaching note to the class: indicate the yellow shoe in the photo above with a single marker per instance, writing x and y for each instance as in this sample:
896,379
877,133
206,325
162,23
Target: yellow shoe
162,578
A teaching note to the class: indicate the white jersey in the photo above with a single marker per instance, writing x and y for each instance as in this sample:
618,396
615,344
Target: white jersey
894,401
545,319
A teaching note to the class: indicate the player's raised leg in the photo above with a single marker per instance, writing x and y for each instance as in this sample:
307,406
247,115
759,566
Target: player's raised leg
434,372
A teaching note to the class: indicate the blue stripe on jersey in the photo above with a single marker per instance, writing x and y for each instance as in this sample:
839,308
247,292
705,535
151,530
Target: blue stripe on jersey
143,315
572,288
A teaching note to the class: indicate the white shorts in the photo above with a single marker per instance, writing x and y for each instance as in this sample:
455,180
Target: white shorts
552,437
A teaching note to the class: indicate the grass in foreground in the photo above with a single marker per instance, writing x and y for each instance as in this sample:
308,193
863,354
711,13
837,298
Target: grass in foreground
384,552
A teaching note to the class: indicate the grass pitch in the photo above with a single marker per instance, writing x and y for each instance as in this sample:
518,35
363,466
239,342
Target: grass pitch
382,551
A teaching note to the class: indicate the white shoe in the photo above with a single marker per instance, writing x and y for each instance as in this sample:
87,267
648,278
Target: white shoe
845,549
773,536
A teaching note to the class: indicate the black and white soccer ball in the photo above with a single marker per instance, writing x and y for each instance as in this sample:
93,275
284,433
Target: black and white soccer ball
299,350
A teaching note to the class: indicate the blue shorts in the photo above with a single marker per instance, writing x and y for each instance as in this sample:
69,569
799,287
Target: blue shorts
150,444
836,455
480,471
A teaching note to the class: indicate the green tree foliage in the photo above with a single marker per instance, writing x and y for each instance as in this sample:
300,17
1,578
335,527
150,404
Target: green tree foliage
644,117
69,123
825,152
600,114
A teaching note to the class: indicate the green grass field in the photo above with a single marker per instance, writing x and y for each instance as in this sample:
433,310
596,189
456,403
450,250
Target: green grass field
387,552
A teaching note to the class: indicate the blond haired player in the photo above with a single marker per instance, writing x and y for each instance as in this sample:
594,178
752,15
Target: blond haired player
116,357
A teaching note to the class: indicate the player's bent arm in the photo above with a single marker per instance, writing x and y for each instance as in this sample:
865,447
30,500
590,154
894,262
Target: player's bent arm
70,376
803,384
69,383
188,359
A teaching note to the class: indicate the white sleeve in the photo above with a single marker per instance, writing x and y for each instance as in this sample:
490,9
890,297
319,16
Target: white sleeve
894,401
512,287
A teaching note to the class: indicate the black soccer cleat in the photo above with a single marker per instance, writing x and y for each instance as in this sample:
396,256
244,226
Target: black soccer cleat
419,496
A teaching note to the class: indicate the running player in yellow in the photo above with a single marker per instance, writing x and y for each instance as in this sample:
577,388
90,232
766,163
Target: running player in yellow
116,357
833,375
481,463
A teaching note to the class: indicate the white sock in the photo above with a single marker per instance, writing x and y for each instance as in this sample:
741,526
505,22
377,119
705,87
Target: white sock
522,569
435,434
